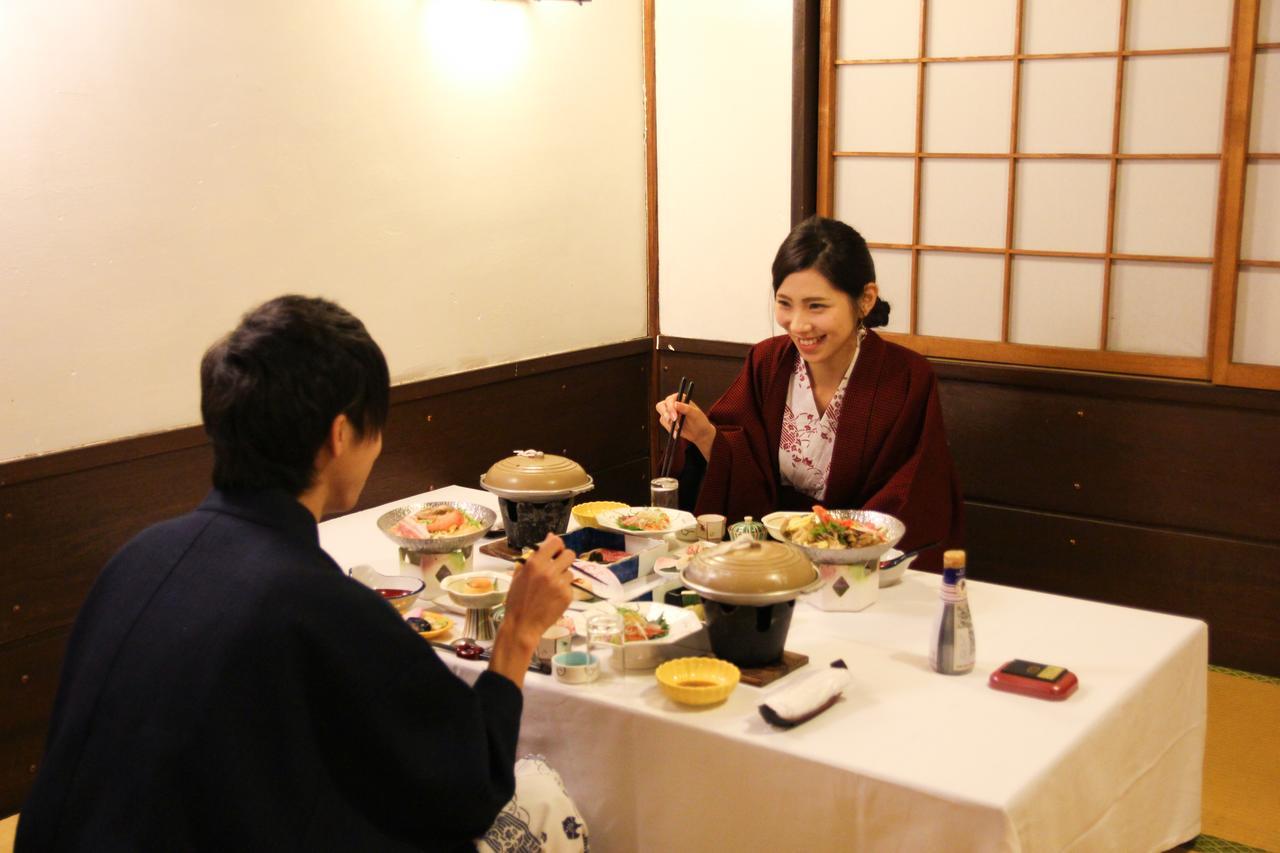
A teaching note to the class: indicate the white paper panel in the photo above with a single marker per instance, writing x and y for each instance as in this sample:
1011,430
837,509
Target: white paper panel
1265,133
960,295
893,275
1166,207
1261,238
1054,26
875,195
1257,338
1061,205
1269,22
1056,302
1157,24
966,107
1159,308
1173,104
969,27
877,108
1067,106
962,202
873,29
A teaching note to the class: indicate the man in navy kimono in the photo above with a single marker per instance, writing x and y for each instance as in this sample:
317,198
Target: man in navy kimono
227,687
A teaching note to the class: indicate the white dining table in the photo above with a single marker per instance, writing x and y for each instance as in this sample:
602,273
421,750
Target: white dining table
908,759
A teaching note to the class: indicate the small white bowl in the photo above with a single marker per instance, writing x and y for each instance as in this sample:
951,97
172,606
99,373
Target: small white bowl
456,586
890,576
773,522
575,667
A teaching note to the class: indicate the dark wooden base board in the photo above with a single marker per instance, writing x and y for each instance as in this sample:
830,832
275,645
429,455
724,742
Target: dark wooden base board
759,676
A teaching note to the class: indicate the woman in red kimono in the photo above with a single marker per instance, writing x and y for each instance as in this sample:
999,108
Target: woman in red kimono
829,412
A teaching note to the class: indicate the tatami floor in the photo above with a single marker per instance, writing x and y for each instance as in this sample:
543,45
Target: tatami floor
1241,767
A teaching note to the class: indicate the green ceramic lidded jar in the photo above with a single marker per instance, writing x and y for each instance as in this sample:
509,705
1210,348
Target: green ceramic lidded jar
749,528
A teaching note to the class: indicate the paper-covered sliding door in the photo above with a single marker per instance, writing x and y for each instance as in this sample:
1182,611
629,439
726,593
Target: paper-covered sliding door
1255,340
1041,182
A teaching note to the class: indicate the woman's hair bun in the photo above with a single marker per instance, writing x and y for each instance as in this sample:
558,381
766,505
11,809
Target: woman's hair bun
878,315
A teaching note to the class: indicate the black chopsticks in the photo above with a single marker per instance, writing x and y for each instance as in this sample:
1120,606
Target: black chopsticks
669,452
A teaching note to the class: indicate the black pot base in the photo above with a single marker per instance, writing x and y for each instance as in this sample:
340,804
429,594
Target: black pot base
528,523
748,636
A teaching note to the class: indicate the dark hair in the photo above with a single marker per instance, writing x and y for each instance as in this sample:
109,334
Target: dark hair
837,252
269,391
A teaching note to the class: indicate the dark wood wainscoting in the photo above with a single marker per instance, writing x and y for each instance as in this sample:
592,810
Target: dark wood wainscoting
1157,494
64,514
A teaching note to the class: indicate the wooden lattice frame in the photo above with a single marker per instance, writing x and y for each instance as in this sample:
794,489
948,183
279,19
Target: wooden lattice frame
1225,263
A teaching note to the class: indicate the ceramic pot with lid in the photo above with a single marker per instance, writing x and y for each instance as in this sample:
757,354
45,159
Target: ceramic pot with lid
535,492
750,589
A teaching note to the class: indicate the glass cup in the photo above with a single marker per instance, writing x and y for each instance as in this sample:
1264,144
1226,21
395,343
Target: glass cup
664,492
605,631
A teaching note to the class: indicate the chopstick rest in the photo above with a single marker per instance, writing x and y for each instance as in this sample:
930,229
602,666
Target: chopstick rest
809,698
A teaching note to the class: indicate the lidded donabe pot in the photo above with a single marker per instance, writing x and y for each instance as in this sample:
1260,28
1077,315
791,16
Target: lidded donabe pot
531,475
750,572
749,589
535,492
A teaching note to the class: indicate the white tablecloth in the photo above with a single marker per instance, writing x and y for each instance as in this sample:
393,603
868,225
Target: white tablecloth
909,759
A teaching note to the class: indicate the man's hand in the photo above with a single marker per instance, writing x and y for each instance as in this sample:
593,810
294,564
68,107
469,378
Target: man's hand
539,594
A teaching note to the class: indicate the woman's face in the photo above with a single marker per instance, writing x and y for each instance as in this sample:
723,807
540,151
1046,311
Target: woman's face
820,318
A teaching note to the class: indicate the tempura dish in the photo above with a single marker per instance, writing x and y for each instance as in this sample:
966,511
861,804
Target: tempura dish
820,529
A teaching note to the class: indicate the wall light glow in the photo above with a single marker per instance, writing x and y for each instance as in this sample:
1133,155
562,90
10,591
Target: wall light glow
476,40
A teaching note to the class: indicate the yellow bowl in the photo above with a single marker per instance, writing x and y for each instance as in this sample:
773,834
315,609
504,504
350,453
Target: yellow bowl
585,514
697,681
437,632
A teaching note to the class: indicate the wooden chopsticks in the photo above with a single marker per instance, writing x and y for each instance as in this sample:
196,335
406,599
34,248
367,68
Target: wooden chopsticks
669,452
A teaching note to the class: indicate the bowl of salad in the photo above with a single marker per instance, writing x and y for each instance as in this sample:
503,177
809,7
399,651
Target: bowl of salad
651,631
436,526
649,521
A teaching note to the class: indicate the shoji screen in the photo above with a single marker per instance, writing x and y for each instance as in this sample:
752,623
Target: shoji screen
1254,302
1041,180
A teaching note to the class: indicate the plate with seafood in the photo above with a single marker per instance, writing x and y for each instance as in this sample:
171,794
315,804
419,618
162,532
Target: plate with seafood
650,521
437,526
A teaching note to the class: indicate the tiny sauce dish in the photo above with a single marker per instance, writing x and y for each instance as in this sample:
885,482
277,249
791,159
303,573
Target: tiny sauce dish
697,681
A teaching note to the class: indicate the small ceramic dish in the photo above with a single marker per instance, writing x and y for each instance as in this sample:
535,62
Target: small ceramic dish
774,520
400,591
477,590
575,667
893,574
697,681
437,624
585,513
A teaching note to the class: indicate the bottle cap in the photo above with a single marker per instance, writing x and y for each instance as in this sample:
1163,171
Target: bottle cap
953,559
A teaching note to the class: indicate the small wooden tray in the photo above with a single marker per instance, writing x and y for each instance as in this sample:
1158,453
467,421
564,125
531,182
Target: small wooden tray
759,676
501,550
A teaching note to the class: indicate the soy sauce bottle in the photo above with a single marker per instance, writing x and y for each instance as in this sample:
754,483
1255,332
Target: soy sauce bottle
951,650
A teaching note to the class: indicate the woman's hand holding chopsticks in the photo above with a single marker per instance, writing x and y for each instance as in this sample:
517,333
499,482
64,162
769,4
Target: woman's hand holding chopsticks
697,427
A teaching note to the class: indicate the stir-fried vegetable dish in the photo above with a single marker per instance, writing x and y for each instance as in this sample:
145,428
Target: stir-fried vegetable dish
820,529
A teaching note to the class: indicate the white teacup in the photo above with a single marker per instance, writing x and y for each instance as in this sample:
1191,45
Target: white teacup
575,667
555,641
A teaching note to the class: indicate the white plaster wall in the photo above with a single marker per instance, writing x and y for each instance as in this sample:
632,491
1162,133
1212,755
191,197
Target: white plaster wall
724,163
465,176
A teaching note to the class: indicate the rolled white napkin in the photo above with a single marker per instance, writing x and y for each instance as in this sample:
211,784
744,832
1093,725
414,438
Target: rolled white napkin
807,699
